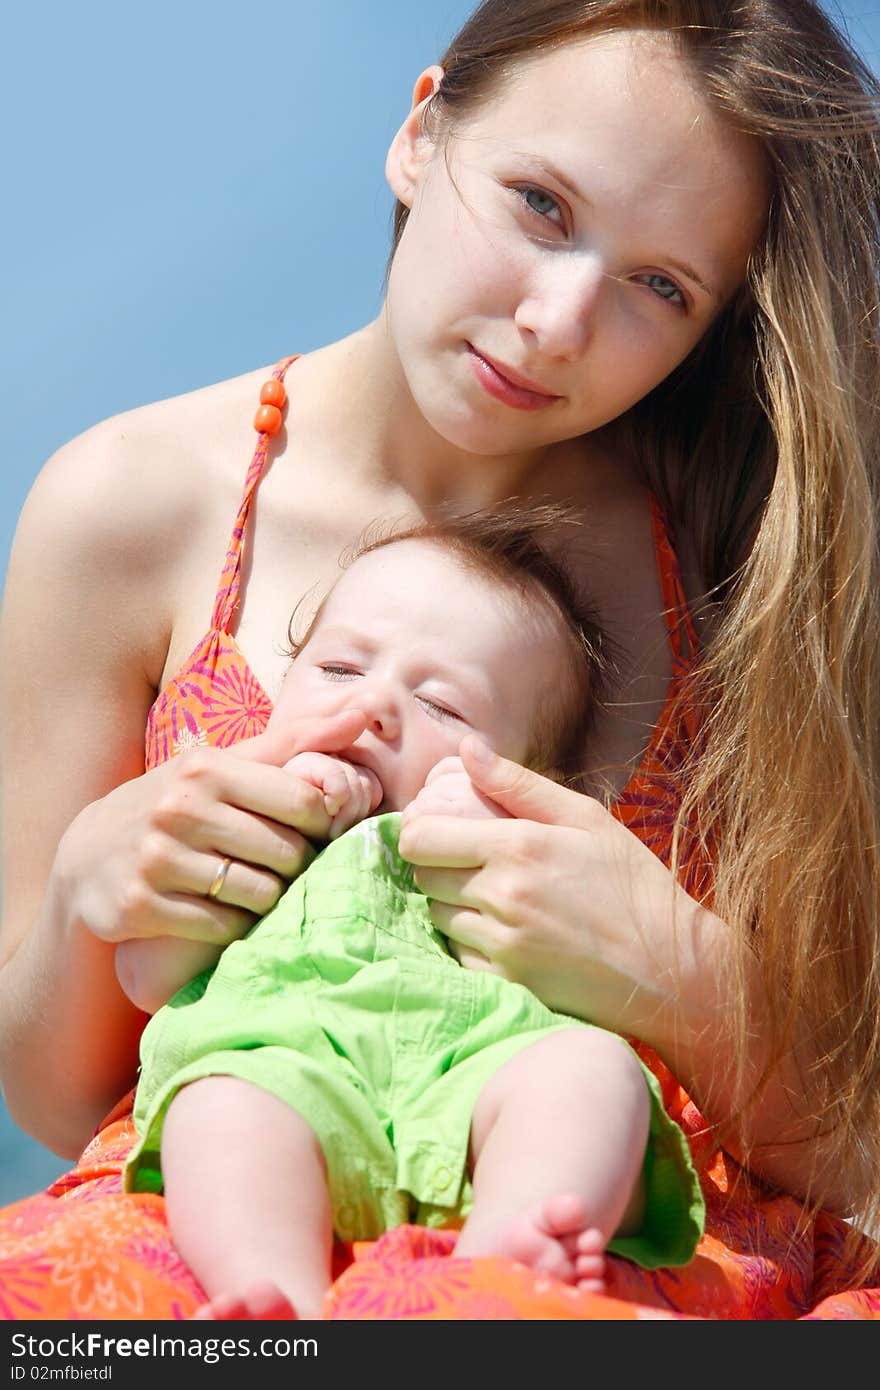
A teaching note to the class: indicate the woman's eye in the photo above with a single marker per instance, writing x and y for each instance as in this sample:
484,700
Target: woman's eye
664,288
438,711
334,671
541,204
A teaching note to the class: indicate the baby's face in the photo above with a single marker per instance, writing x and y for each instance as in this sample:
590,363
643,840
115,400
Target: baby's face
429,652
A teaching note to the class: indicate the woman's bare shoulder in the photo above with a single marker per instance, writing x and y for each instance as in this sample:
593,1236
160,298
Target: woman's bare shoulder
114,513
128,485
149,463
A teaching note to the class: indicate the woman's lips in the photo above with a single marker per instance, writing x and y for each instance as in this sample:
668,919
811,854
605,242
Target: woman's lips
512,390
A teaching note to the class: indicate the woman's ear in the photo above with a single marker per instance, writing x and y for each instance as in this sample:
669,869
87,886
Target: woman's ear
412,146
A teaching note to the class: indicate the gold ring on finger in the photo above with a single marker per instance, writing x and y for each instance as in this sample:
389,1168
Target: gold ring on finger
220,877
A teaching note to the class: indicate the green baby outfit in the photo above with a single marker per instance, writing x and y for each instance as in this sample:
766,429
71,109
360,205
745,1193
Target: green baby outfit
344,1002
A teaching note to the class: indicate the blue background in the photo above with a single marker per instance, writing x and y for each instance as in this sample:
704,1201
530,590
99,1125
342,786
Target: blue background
193,190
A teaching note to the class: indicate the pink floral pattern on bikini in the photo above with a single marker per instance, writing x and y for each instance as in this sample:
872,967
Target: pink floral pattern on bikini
215,701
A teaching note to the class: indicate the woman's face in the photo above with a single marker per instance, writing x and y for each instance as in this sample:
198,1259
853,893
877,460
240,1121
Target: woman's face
568,244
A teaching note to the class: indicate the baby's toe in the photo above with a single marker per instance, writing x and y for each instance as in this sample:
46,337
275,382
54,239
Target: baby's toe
565,1215
589,1268
223,1308
590,1241
266,1302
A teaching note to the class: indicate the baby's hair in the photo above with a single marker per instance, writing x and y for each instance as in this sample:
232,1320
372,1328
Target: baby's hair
507,547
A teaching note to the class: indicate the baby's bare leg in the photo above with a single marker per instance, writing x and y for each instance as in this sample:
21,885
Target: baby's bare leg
558,1145
247,1201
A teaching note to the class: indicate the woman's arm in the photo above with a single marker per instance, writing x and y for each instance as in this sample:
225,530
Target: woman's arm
96,851
76,652
567,901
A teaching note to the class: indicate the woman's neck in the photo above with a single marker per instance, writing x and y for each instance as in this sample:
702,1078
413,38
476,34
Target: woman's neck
378,426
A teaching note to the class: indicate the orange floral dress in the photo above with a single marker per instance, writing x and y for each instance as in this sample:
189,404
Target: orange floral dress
84,1249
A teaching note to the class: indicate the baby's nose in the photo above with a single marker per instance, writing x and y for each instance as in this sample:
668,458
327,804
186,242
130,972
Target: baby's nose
382,711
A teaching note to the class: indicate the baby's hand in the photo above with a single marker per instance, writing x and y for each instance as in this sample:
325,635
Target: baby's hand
350,792
448,791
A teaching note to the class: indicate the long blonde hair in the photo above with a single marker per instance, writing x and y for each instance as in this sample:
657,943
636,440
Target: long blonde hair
764,445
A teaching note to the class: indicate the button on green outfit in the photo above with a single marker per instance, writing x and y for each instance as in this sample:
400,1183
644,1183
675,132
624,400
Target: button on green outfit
345,1004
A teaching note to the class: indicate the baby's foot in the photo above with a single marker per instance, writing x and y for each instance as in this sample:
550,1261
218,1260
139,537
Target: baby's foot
258,1302
557,1238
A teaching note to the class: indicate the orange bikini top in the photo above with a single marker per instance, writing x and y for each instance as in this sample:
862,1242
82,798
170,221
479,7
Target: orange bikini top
216,699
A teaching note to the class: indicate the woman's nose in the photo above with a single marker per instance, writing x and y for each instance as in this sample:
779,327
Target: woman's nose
559,310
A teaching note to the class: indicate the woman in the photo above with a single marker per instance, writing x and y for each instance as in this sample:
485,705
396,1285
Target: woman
634,266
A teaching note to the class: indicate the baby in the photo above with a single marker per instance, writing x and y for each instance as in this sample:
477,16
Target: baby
339,1071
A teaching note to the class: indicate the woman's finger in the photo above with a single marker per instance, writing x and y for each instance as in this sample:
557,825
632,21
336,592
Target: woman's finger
204,919
148,914
232,882
467,932
474,960
450,842
188,806
283,740
523,793
170,863
256,839
455,887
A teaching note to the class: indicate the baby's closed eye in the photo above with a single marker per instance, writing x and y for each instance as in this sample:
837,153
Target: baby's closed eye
442,712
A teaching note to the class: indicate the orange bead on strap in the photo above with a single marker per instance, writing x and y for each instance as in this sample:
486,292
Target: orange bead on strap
267,419
272,392
273,398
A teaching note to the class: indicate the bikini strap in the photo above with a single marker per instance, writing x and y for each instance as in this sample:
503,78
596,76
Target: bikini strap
226,598
676,613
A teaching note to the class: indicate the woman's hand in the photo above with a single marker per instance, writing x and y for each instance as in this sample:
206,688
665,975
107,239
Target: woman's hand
140,863
560,897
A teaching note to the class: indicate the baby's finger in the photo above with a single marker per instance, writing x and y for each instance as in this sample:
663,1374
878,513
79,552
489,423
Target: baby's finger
337,786
373,788
355,805
353,811
445,765
338,793
430,801
366,789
